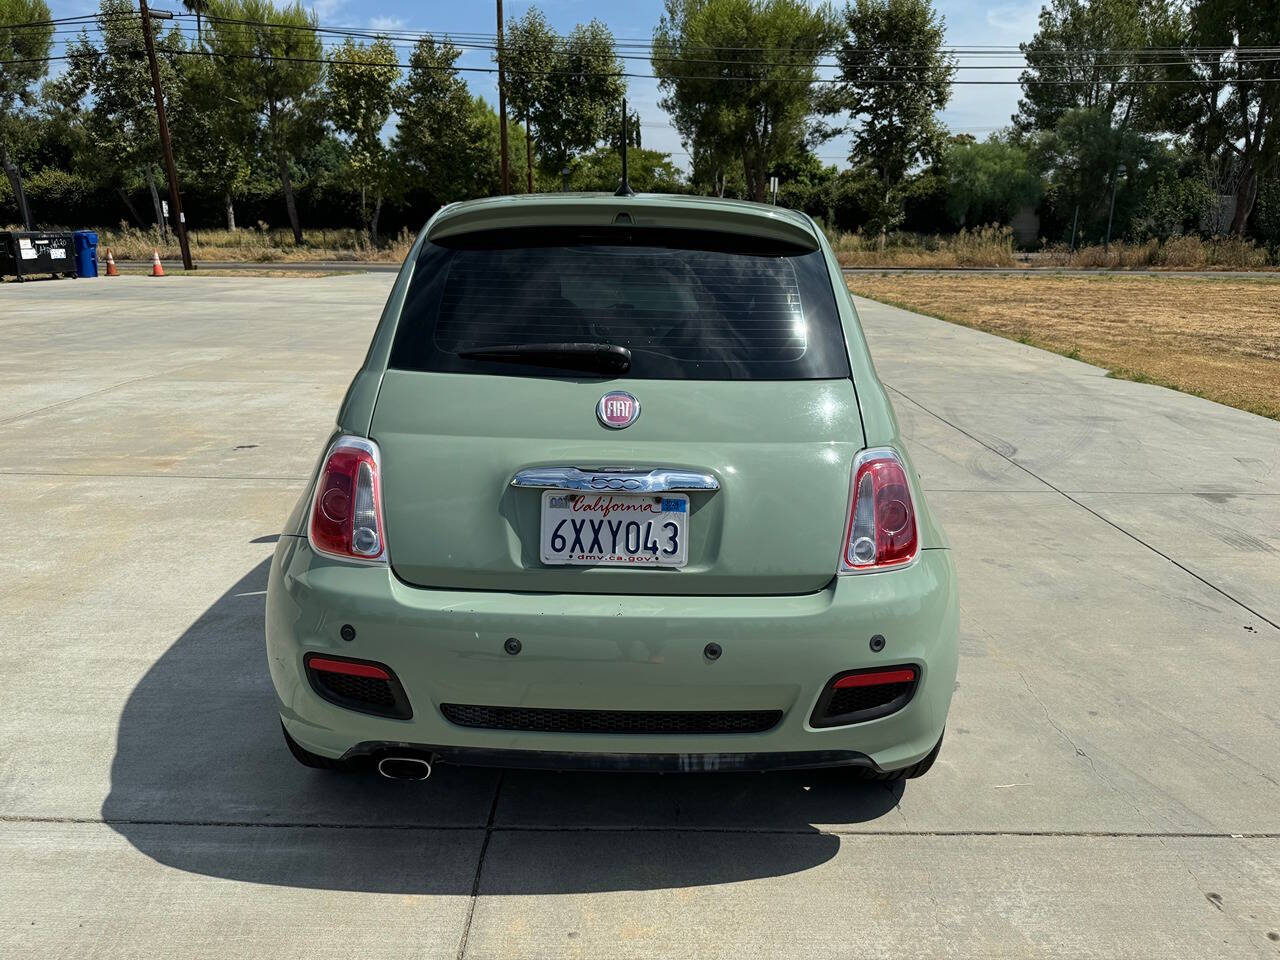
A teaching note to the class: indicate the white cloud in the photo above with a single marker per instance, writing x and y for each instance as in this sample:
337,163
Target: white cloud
386,24
325,9
1015,18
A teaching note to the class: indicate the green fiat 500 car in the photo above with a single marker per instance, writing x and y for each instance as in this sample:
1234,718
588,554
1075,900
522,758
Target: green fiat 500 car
616,488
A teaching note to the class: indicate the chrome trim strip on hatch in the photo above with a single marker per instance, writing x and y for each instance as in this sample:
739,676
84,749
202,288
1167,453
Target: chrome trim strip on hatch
623,481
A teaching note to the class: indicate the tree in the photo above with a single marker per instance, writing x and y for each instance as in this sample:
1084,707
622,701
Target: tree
649,171
1085,149
272,59
1172,203
215,137
715,167
988,182
1238,99
1087,55
584,96
27,37
1267,214
107,86
199,8
567,89
805,183
529,55
894,78
362,88
737,79
480,174
440,139
1087,76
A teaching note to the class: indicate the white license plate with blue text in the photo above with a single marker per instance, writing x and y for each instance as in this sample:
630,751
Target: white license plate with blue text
609,529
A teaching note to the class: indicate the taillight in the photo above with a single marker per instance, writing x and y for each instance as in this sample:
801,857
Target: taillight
881,531
346,514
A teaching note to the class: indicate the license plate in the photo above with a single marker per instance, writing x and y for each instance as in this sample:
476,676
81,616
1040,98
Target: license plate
609,529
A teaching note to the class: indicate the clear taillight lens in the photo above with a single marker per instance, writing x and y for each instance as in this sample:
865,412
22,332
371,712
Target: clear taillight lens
346,514
881,531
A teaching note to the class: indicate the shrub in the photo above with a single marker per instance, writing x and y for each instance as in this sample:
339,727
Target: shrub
984,247
1177,253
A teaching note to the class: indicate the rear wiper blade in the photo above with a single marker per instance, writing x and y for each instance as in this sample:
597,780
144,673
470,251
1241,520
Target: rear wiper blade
590,357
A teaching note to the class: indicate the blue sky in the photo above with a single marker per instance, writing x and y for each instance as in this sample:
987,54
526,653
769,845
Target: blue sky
973,109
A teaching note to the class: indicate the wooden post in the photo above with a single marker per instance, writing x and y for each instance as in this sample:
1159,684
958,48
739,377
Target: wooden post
502,110
175,196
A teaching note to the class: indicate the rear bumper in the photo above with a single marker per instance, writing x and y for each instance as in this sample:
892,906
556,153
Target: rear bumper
617,762
599,652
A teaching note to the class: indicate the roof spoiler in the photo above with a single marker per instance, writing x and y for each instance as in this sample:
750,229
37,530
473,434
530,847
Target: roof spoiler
638,210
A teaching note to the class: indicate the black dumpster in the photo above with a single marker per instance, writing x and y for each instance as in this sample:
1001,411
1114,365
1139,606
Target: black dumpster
24,255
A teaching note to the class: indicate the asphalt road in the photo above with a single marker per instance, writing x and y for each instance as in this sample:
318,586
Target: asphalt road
1110,785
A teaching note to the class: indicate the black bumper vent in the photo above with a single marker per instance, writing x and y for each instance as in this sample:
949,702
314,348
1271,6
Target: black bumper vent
360,685
870,699
371,693
544,720
859,699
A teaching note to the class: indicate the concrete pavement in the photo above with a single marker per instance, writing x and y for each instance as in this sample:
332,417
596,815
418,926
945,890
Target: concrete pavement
1110,786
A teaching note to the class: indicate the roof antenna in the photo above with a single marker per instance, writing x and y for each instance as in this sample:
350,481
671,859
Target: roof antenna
625,189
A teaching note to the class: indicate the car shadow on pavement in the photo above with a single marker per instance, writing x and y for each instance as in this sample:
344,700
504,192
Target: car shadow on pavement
201,781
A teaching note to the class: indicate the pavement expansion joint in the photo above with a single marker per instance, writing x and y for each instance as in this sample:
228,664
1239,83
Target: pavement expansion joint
494,828
475,881
1083,506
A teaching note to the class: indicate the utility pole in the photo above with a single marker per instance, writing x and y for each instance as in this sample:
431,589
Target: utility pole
1111,215
175,197
624,188
502,110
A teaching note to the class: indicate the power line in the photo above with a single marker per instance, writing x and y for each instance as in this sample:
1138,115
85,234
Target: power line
86,20
480,41
483,41
476,41
95,22
1022,82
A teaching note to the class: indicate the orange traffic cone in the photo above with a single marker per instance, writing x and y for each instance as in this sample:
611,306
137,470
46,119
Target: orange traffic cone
111,266
156,269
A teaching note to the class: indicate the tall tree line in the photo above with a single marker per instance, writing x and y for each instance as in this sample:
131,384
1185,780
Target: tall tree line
22,50
1154,112
256,96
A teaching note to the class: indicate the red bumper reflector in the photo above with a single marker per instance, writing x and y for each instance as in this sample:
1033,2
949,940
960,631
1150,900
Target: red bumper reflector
346,666
902,675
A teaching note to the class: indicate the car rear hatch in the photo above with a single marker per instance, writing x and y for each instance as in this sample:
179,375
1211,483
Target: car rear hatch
746,418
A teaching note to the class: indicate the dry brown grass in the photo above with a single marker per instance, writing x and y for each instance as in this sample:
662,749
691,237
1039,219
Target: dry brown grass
994,247
254,246
1215,337
1177,253
984,247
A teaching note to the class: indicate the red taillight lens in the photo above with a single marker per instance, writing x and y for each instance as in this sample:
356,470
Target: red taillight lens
881,531
349,668
875,678
346,514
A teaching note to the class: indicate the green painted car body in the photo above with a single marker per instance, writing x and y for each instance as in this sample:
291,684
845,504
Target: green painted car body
760,621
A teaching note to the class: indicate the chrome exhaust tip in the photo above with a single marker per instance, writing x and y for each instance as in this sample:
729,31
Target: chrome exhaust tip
404,768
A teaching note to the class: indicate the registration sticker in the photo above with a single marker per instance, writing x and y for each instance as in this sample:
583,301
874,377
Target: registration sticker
674,505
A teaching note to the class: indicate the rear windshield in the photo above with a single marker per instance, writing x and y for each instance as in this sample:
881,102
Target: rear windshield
689,306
